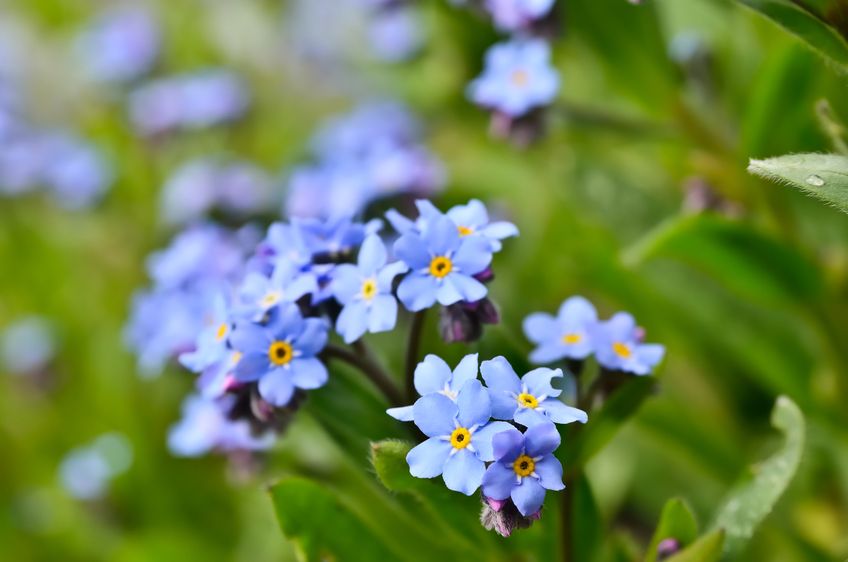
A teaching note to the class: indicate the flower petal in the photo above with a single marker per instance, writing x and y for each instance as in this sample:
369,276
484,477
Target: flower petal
541,439
412,249
475,406
434,414
442,235
383,314
498,481
528,496
372,255
541,327
352,321
431,375
347,282
252,366
248,337
473,255
549,470
308,373
469,288
403,413
502,382
447,292
276,387
427,460
465,371
538,381
529,417
548,353
417,291
483,439
563,413
463,472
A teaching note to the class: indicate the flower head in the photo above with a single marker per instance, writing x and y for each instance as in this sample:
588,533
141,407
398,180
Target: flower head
530,400
365,292
566,335
512,15
281,355
518,77
434,376
618,346
122,44
212,341
460,437
442,265
524,467
205,426
287,283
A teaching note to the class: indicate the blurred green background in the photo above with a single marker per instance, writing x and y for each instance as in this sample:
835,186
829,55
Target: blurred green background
750,298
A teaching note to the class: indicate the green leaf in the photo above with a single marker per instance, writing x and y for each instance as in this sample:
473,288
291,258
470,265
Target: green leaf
807,26
676,522
751,503
587,522
321,527
603,426
706,549
821,175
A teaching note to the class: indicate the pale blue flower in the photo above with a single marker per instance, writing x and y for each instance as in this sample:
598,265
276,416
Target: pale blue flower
287,283
564,336
618,346
433,375
513,15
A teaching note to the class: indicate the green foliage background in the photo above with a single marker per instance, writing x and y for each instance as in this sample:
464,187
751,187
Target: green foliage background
749,307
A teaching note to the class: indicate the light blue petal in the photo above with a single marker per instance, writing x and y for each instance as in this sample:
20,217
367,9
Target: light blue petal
549,470
404,413
500,230
541,327
502,382
577,310
372,255
530,418
352,321
483,438
464,372
470,289
548,353
562,413
347,282
417,291
431,375
475,407
276,387
463,472
507,445
428,459
286,321
498,481
447,292
542,439
386,276
412,250
650,354
528,496
538,381
473,255
248,337
308,373
252,366
399,222
383,314
313,338
442,236
434,415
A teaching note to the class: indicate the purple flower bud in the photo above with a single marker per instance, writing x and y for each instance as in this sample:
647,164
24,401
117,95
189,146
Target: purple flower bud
503,517
667,548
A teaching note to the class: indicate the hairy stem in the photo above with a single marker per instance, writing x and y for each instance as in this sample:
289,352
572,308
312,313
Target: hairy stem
364,361
412,351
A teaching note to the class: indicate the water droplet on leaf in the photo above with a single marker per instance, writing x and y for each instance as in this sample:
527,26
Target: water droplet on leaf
815,180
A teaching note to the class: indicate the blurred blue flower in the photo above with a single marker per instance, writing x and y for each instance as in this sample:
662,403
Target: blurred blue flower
565,336
524,467
365,292
334,235
530,400
189,101
211,345
442,265
205,427
518,77
460,437
395,33
74,171
218,378
514,15
27,345
285,241
86,471
258,293
433,375
618,346
121,44
282,354
473,219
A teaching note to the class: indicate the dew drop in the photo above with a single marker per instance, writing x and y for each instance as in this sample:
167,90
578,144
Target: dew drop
815,180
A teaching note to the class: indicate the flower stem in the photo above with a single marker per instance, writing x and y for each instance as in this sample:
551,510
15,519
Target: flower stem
364,361
412,350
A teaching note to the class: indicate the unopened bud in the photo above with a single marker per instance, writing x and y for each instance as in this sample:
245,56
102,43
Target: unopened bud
667,548
503,517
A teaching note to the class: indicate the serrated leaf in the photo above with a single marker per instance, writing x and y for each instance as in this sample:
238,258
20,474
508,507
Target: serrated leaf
706,549
808,27
824,176
676,522
749,505
321,527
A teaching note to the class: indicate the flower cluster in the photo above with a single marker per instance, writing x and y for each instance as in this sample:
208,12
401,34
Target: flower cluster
372,153
188,101
575,333
518,81
469,425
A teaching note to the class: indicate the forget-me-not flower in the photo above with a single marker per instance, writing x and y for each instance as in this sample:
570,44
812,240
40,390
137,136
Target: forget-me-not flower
524,467
460,437
442,265
473,219
287,283
618,346
434,376
518,77
282,354
512,15
365,292
212,340
564,336
530,400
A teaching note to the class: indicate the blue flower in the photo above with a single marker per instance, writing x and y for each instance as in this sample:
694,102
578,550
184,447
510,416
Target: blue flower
472,219
518,77
513,15
219,378
565,336
530,400
211,345
460,437
282,354
434,376
287,283
365,292
524,467
121,45
334,235
285,241
205,426
618,346
442,265
28,345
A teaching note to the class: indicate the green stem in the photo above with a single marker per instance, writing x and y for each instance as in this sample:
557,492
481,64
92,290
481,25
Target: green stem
412,352
363,361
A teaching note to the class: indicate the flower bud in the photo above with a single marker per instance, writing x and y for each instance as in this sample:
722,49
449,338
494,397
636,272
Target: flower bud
667,548
503,517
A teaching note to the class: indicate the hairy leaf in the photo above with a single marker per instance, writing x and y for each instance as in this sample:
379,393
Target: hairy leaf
821,175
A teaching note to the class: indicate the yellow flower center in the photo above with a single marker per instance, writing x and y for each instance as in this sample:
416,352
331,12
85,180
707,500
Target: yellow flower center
527,400
440,266
520,77
524,466
464,230
622,350
270,299
235,358
460,438
280,353
369,289
570,339
222,331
